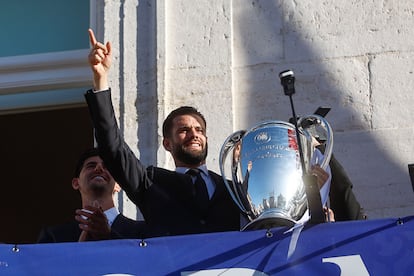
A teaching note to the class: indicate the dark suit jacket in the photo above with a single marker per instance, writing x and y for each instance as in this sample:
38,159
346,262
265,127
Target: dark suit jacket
122,228
164,197
342,199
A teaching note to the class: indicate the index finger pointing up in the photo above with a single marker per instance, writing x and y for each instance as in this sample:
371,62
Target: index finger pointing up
92,37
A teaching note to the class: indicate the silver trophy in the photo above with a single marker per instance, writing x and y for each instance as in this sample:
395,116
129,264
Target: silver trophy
262,169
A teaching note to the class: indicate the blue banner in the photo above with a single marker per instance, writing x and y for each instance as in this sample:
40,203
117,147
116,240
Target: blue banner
372,247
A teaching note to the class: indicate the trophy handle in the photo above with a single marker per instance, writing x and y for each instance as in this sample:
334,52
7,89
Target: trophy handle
319,128
228,147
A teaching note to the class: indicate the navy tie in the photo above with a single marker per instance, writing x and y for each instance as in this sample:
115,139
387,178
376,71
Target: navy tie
201,193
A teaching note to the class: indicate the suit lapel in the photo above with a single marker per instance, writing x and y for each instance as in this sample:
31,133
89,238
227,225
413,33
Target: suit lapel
220,189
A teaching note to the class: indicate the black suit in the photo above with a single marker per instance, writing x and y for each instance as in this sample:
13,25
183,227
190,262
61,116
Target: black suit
164,197
342,199
122,228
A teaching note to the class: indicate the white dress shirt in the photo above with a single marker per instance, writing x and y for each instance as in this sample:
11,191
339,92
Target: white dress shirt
111,215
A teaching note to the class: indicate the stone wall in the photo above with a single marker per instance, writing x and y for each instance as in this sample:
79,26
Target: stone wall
224,57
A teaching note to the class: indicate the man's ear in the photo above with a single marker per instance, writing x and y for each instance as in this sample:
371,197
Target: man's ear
75,183
167,144
117,188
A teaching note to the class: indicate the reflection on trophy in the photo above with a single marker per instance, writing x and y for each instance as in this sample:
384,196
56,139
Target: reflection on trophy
262,169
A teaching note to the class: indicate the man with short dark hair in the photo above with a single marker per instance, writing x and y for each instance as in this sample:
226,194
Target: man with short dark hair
98,219
167,199
170,201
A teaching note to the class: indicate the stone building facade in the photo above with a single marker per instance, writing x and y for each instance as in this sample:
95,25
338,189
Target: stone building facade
224,57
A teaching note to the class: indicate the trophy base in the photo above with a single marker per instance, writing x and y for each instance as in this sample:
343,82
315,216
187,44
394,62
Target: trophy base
268,223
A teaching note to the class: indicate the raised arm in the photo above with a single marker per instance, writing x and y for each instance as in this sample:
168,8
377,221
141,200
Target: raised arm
116,154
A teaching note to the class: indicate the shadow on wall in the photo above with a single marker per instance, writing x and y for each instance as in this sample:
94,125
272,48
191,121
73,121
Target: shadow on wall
269,38
146,77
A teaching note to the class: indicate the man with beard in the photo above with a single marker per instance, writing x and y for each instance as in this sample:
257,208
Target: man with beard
170,201
167,199
98,219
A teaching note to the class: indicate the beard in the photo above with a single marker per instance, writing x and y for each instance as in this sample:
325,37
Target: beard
190,157
98,189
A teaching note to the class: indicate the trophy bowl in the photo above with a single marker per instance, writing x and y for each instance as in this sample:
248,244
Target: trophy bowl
262,169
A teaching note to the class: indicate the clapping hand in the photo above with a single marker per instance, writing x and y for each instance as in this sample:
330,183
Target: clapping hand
93,223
